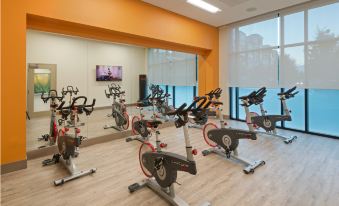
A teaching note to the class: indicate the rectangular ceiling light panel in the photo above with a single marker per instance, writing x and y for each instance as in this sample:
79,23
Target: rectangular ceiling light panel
204,5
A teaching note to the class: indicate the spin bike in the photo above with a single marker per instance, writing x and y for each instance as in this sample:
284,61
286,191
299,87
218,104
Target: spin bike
161,167
199,116
119,112
268,122
67,143
51,137
225,141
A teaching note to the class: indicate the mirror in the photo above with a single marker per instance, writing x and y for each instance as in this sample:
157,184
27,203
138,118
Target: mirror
74,66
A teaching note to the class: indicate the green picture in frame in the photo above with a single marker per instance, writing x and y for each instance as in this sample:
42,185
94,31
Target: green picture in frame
42,82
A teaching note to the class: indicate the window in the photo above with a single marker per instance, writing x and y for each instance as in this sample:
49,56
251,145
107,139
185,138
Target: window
296,47
253,108
163,87
171,68
272,104
292,70
254,54
294,28
183,94
323,47
171,99
323,19
297,107
323,111
233,103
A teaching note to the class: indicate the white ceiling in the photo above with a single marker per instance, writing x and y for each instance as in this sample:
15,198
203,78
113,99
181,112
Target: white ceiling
232,10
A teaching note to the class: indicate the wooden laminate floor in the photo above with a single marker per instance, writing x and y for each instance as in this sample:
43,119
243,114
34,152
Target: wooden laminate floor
301,174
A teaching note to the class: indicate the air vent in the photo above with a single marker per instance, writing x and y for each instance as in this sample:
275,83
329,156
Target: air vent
232,3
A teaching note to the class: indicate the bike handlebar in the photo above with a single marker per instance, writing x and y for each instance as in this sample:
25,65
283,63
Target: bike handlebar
177,111
289,93
69,90
53,97
65,111
195,101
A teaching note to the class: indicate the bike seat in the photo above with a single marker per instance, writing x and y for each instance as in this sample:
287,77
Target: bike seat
153,123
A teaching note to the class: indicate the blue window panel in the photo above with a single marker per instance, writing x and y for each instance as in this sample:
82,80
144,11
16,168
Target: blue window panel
170,91
297,107
183,94
272,103
253,108
234,103
323,111
163,87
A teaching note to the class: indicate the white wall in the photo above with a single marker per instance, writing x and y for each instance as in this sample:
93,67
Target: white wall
223,69
76,59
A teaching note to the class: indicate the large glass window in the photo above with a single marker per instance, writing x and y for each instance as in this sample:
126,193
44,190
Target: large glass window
297,47
323,111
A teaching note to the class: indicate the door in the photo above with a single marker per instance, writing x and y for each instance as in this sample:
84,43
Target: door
40,78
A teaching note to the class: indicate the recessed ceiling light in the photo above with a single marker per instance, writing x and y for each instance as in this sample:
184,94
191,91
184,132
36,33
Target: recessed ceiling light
251,9
204,5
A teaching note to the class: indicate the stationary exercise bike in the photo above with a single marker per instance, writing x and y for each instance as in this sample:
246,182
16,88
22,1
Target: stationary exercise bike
161,167
51,137
119,111
199,116
67,143
225,141
268,122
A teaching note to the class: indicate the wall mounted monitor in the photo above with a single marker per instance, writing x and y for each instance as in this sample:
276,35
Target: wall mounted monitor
108,73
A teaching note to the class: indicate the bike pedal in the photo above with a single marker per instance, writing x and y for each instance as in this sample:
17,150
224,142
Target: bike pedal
134,187
49,161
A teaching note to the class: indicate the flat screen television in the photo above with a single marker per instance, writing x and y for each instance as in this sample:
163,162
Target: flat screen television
108,73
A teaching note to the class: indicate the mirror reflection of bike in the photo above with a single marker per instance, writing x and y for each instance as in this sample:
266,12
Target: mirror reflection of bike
53,98
68,142
119,110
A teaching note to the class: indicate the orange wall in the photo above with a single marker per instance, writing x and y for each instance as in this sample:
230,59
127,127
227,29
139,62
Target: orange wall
132,19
